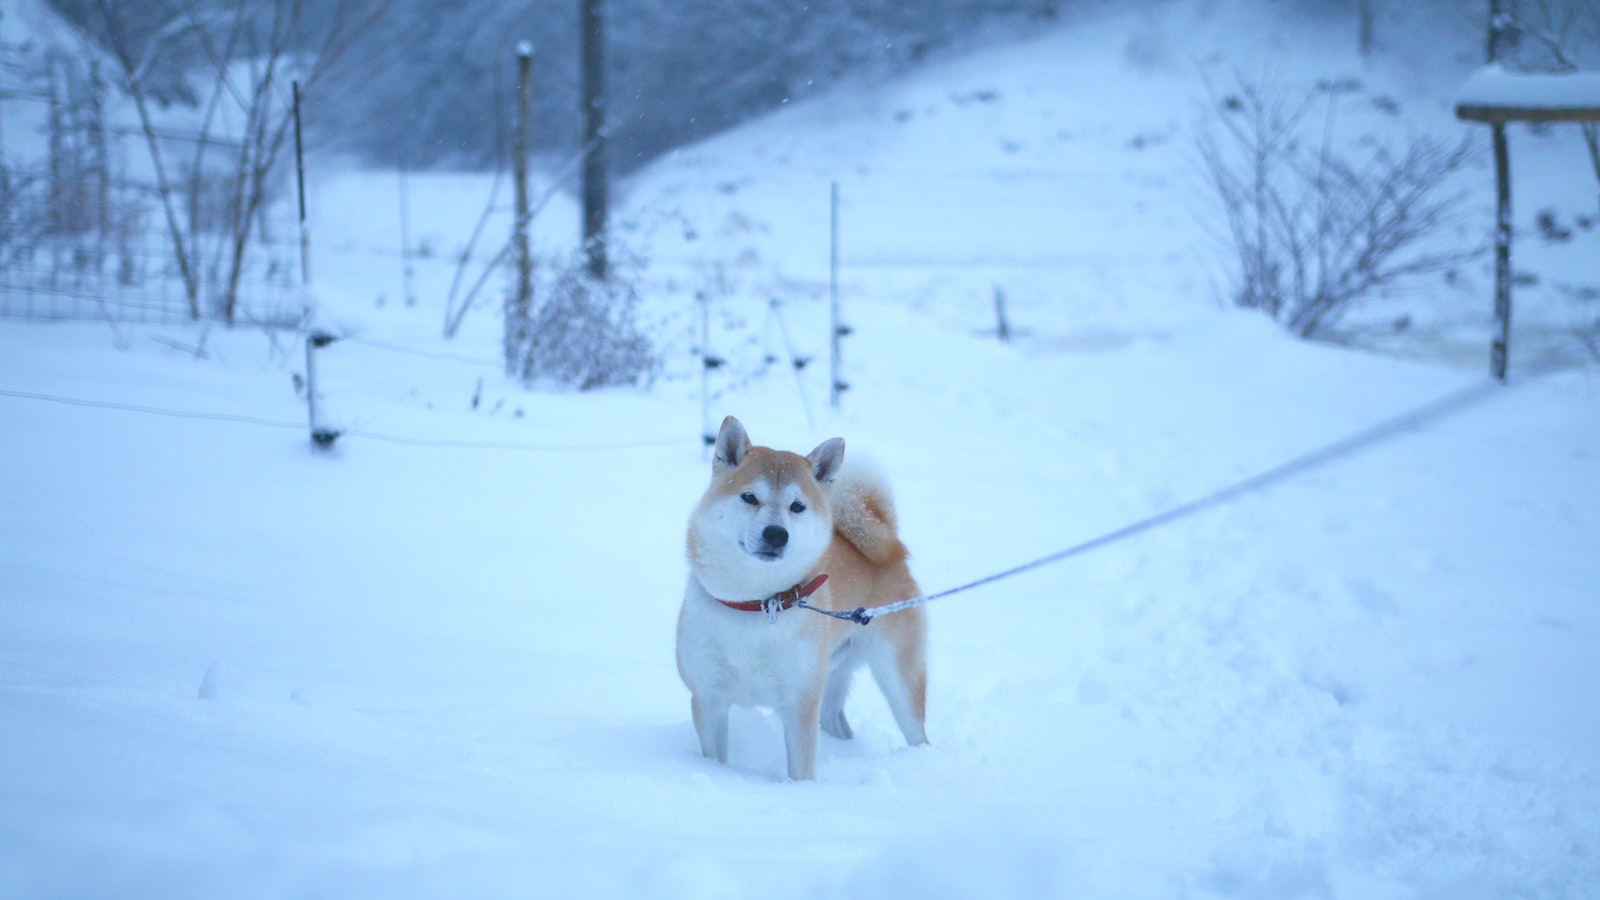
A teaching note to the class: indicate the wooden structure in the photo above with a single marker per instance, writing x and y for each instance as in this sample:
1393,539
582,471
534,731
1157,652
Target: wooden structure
595,191
519,310
1497,97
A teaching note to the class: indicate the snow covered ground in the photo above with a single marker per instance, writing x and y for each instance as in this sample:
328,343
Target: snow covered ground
230,666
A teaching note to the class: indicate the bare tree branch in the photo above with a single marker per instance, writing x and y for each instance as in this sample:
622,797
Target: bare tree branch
133,73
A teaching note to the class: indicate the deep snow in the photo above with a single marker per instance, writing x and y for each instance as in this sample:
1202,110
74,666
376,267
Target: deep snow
232,666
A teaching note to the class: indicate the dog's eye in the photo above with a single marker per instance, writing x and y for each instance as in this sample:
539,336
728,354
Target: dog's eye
749,498
797,507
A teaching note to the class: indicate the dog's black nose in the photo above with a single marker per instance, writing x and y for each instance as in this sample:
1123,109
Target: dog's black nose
775,535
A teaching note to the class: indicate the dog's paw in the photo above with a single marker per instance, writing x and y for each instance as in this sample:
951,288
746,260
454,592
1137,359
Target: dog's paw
837,726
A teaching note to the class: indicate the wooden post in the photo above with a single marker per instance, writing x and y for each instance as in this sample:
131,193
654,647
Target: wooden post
1534,103
1498,20
56,211
101,153
1499,350
519,310
5,181
300,186
592,30
1500,344
836,329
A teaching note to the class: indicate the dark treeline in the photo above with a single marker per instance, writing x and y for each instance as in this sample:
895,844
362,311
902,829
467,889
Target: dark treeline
431,82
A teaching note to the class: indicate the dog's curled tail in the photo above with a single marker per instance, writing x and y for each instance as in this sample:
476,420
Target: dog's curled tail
863,511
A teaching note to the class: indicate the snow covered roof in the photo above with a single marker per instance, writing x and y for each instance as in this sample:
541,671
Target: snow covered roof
1492,94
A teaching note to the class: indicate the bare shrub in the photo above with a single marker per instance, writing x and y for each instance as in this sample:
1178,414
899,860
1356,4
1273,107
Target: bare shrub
1314,227
585,334
250,54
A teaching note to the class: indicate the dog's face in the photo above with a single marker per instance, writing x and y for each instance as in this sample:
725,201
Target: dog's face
764,521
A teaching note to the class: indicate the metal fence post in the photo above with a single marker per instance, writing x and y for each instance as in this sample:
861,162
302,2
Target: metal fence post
1500,349
836,329
300,188
322,437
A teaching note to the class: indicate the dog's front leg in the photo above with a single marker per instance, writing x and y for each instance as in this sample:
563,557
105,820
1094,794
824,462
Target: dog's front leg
711,723
800,723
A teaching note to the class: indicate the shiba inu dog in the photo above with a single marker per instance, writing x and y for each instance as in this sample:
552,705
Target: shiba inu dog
775,527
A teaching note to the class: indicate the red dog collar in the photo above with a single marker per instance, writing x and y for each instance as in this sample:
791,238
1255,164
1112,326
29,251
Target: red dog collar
779,601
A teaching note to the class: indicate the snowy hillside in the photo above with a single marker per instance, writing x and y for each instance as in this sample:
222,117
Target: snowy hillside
438,661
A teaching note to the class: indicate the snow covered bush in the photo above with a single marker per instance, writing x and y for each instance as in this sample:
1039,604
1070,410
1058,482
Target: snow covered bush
1314,224
585,333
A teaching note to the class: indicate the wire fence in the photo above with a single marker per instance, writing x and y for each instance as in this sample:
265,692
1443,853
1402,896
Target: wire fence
55,284
360,433
93,246
94,225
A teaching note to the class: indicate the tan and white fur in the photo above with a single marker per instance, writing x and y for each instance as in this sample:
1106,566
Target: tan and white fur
769,521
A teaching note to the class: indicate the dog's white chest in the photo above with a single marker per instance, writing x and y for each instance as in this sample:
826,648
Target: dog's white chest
740,657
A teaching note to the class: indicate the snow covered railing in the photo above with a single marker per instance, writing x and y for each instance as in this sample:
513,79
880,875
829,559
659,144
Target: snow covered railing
1493,94
1496,97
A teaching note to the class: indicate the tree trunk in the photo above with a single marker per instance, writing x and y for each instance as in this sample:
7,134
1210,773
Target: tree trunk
1364,28
191,284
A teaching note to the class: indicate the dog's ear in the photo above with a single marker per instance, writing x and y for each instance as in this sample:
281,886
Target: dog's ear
826,459
732,445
